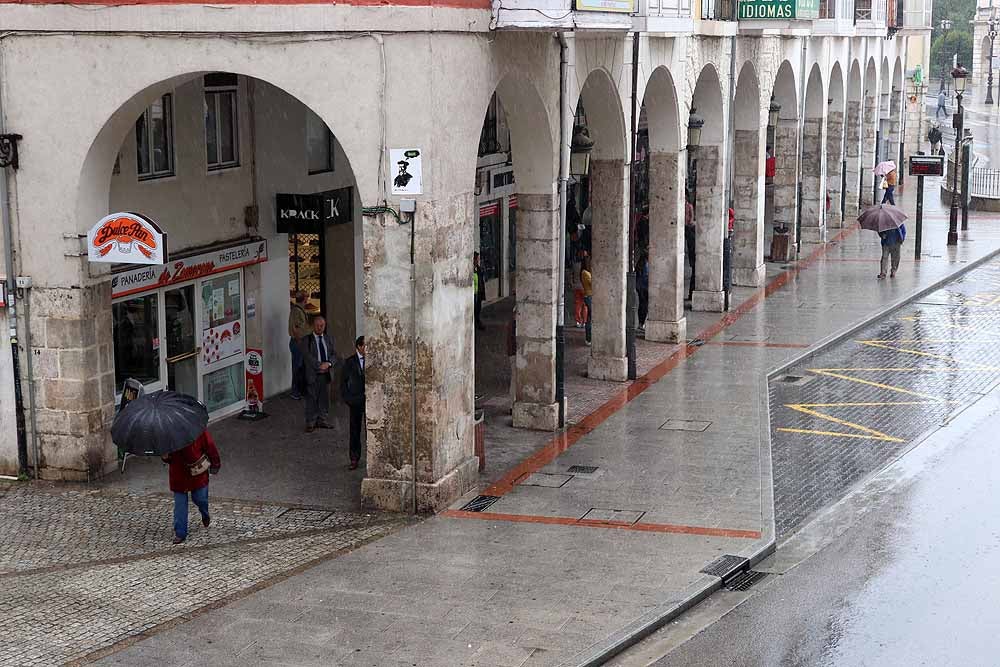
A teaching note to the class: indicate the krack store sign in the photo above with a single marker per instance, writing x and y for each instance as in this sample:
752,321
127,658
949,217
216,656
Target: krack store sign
126,238
778,10
308,214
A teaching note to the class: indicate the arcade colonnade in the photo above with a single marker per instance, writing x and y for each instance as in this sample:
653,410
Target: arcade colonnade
834,93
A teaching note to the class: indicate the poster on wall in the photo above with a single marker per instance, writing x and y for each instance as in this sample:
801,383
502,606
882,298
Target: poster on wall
126,238
255,380
222,342
408,166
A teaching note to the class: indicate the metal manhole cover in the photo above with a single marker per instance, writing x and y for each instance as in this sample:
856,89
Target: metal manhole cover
304,514
582,470
744,580
685,425
479,503
724,566
613,516
550,480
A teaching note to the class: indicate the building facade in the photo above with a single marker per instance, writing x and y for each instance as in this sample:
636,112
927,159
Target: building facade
263,140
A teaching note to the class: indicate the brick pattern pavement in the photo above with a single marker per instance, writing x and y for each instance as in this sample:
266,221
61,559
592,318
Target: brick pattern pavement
867,400
81,571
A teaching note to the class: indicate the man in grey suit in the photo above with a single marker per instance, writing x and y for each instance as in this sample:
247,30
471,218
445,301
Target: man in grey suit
319,359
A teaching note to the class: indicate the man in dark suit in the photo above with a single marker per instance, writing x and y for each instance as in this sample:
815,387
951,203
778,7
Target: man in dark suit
318,359
352,389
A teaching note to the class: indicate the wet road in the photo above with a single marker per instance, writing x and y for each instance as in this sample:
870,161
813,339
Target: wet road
915,581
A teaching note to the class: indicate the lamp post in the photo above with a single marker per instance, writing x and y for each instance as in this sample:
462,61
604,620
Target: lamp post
960,75
945,28
989,82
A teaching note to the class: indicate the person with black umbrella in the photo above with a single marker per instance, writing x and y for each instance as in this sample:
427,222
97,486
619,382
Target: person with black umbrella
189,470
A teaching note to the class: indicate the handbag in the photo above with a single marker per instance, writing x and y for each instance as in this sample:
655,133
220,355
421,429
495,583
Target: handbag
200,466
884,184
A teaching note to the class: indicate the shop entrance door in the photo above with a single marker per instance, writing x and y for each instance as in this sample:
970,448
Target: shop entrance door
182,348
136,332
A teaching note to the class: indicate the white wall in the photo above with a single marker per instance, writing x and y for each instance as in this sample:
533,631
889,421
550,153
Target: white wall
8,430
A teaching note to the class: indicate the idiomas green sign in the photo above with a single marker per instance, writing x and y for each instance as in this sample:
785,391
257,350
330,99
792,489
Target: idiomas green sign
778,10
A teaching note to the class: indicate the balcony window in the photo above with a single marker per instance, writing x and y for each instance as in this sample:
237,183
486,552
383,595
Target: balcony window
718,10
319,144
222,146
154,140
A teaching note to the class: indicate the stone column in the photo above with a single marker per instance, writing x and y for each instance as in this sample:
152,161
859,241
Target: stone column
74,378
711,220
537,283
665,321
813,182
609,265
446,465
786,181
916,126
834,166
852,149
748,234
895,134
868,134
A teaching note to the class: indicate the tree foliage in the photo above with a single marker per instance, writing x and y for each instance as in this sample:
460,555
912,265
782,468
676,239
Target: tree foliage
945,46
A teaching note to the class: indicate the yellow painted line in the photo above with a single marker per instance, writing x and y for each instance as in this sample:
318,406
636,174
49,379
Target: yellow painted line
880,385
909,369
929,355
871,404
840,435
878,435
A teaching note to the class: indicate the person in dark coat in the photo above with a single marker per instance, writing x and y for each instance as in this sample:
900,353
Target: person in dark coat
318,360
479,290
352,390
182,482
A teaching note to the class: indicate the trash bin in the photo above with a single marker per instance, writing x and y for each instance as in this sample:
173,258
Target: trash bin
779,244
479,425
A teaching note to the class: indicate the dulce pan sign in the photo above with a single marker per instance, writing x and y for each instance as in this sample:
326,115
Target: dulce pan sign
126,238
778,10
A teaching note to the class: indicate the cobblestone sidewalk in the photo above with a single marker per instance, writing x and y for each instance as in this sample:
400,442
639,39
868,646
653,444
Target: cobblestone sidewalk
83,571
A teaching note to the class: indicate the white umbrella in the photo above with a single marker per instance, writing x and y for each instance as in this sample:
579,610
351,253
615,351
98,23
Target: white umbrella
883,168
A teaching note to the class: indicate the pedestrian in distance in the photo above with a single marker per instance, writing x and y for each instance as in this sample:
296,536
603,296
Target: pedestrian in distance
586,279
889,184
934,137
579,307
942,106
689,242
318,360
189,470
298,327
512,355
352,390
892,241
479,290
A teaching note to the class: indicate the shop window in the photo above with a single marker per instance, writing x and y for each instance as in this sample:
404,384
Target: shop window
154,139
224,387
319,144
135,330
222,135
222,300
305,269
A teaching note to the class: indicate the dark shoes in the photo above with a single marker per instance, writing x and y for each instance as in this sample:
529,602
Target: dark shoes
206,521
178,539
354,465
310,429
323,425
295,397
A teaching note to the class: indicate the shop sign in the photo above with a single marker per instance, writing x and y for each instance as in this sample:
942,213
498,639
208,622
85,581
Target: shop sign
3,294
255,380
221,342
408,177
781,10
624,6
307,214
126,238
189,268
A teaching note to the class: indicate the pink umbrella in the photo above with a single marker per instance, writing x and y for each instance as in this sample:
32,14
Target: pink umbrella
883,168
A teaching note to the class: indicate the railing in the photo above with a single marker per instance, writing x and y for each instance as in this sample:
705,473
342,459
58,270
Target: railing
718,10
985,182
873,11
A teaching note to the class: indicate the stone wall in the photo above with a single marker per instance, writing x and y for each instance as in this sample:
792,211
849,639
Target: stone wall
608,182
748,233
710,221
813,183
665,321
852,149
786,144
868,136
834,167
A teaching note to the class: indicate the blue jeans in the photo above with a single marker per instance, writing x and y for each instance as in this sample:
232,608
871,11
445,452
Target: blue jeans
293,346
200,498
887,197
589,300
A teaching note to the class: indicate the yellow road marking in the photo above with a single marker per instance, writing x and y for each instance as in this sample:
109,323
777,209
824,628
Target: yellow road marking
871,433
880,385
839,435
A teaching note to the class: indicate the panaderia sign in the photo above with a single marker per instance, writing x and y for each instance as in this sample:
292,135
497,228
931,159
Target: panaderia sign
126,238
189,268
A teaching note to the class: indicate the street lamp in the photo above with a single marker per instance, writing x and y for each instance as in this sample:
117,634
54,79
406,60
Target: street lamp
989,83
945,27
961,76
772,113
580,147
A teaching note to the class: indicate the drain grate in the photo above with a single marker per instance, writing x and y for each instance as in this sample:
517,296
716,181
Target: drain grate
304,514
724,566
744,580
479,503
696,342
582,470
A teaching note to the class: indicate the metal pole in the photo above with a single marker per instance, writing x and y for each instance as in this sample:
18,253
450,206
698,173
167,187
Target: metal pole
966,150
631,294
989,82
565,132
953,213
413,356
918,236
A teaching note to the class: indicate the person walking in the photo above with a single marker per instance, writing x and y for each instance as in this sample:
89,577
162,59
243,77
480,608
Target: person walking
942,106
689,242
352,390
934,137
479,289
318,360
298,326
892,240
188,474
890,187
588,297
579,307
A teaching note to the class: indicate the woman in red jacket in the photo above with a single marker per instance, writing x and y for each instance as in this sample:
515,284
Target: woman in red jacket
189,474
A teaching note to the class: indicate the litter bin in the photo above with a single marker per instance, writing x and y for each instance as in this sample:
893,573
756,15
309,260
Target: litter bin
480,434
779,244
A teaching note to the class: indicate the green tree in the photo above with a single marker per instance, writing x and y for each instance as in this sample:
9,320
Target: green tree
947,45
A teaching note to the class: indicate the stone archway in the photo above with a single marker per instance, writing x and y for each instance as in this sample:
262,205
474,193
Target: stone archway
748,233
835,126
852,143
869,135
785,146
665,321
814,195
896,120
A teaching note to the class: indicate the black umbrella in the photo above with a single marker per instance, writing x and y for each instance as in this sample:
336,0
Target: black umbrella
159,423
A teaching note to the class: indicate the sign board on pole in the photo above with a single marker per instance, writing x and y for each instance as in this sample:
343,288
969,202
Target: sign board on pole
408,177
126,238
255,385
926,165
780,10
623,6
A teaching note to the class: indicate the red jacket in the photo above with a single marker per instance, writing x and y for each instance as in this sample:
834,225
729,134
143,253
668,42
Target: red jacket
181,480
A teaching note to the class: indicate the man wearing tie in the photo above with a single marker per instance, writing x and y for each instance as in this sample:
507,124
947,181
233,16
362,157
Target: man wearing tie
352,389
318,360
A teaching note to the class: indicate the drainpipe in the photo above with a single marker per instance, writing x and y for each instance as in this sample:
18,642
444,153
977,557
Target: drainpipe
8,242
631,294
565,135
801,130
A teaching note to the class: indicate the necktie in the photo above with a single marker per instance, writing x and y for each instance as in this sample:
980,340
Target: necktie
362,363
322,349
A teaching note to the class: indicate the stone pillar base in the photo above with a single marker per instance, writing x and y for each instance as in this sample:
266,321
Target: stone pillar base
833,220
536,416
614,369
814,235
708,301
396,495
750,277
666,332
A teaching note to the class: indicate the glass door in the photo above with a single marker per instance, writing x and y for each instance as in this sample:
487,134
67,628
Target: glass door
223,381
136,334
180,334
